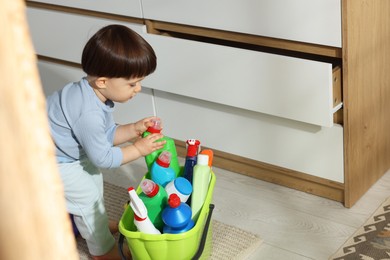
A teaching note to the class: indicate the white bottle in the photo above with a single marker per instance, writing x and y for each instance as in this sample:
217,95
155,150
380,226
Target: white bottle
180,186
200,184
141,219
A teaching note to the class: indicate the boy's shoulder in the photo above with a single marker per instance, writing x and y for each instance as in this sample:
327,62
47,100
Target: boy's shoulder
78,93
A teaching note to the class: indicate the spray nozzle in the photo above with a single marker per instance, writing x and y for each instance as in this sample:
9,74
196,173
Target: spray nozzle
137,204
193,147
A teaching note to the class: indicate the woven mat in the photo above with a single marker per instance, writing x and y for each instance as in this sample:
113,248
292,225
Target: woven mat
228,242
371,241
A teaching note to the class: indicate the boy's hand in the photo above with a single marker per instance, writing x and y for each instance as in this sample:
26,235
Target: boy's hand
149,144
143,124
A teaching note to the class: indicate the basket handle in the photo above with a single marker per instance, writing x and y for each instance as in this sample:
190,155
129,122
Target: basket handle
201,244
204,235
120,246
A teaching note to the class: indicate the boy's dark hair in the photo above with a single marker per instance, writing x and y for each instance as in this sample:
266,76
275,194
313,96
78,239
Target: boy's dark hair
116,51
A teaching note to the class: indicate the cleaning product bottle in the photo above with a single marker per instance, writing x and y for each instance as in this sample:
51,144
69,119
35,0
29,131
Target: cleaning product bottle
141,219
200,184
181,186
169,146
155,199
161,172
177,216
191,157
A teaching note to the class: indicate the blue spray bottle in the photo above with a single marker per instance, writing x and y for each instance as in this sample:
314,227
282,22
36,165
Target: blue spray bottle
193,147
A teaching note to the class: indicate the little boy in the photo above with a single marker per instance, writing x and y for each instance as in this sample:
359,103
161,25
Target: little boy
115,60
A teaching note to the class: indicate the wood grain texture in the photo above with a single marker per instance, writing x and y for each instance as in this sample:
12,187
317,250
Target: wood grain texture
366,84
34,223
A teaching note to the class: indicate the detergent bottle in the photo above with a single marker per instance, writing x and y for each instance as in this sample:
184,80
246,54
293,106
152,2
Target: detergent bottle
191,158
169,146
177,216
155,199
161,172
200,185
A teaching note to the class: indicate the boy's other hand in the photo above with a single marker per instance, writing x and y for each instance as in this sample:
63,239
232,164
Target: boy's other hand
149,144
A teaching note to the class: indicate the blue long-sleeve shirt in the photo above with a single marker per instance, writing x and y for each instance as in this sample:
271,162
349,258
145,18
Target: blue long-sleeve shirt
81,124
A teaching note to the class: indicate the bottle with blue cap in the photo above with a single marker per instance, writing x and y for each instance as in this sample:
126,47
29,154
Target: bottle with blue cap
181,186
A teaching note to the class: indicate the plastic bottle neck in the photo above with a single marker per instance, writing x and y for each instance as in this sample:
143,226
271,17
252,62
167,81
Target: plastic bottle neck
150,188
162,163
153,130
174,200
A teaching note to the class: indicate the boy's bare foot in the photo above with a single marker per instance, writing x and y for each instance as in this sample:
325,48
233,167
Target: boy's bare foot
113,226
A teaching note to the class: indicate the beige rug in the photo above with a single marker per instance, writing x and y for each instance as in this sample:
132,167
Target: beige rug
228,242
371,241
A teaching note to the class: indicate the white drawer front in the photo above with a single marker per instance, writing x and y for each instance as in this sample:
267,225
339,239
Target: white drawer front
312,21
122,7
310,149
272,84
62,35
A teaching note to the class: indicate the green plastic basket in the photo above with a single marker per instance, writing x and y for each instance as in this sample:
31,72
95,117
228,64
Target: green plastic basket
193,244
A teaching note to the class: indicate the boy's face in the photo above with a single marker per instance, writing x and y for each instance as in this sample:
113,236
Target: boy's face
120,89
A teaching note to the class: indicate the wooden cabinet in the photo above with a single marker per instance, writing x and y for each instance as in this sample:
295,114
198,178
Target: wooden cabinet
292,92
130,8
311,21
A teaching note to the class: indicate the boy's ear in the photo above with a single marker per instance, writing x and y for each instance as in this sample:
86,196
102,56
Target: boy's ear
101,82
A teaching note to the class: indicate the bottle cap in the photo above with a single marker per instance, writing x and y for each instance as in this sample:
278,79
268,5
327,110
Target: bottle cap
210,154
149,187
181,187
174,200
155,128
192,147
203,159
164,159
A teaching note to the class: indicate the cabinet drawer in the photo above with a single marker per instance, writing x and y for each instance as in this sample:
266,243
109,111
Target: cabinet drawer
63,35
311,21
310,149
122,7
282,86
